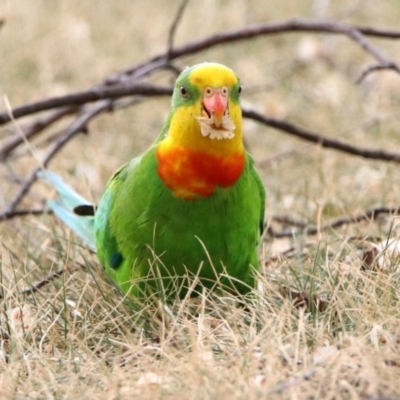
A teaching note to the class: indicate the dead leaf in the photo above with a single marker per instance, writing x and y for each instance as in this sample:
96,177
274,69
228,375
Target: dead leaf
303,299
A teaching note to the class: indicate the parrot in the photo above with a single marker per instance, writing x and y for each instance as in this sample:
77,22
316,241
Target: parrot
188,213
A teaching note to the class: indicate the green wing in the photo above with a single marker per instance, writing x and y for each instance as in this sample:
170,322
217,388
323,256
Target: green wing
108,250
259,191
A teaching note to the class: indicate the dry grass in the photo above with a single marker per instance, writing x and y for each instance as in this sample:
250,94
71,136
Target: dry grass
321,326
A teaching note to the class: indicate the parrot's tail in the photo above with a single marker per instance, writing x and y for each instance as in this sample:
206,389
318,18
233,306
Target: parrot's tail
71,208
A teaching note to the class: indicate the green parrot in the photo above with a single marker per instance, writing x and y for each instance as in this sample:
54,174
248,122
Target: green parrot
189,212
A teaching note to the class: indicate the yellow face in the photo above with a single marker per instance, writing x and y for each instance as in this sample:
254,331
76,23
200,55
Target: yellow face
206,110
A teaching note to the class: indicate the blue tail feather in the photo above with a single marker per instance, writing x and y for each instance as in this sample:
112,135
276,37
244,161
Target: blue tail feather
63,208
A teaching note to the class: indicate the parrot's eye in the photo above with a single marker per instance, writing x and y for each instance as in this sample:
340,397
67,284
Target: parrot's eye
183,91
240,90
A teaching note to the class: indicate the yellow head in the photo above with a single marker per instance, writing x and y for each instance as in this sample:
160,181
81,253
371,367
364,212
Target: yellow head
205,113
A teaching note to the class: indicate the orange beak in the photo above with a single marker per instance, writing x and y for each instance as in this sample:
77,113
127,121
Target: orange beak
215,102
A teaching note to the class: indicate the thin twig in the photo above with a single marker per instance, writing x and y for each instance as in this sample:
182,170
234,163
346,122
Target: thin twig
22,213
308,229
32,130
38,285
305,134
174,26
371,215
383,61
379,33
375,52
35,287
289,221
372,68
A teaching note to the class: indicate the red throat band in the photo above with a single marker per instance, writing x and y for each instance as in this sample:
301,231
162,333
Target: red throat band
191,174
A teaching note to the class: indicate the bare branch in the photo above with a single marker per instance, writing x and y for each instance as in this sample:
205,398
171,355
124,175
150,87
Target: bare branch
31,130
22,213
369,215
359,38
79,98
379,33
305,134
35,287
373,68
249,32
383,60
290,221
38,285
